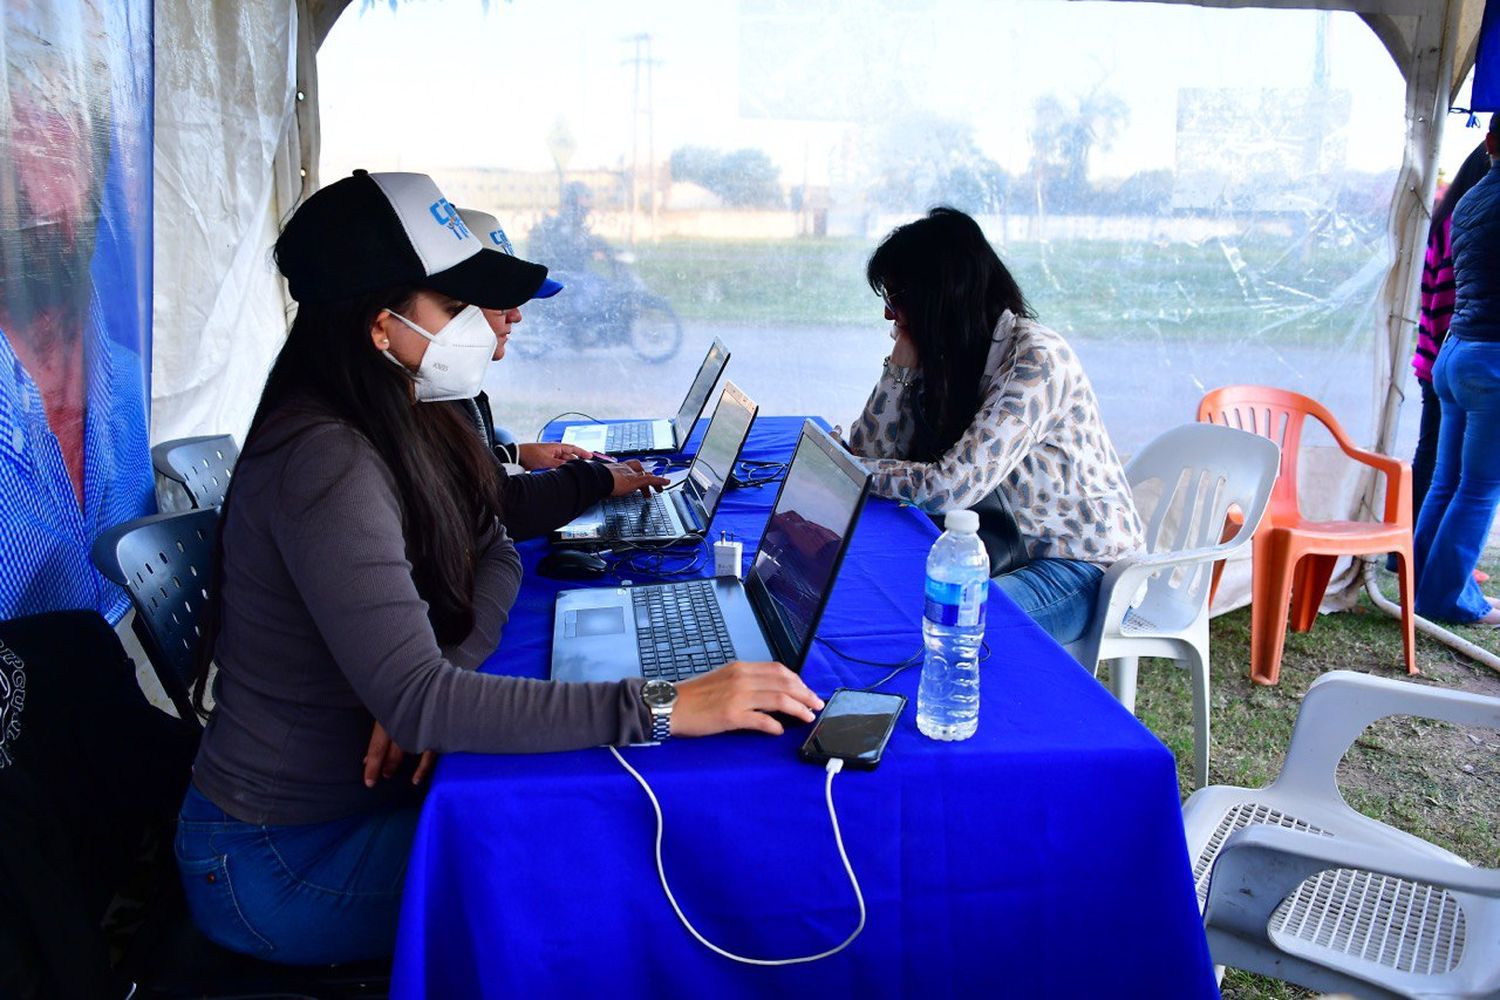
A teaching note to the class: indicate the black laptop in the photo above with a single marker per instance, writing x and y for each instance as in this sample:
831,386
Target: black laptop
677,630
647,437
681,512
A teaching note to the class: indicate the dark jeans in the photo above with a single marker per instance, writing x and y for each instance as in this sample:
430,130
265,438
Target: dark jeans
310,894
1058,594
1460,503
1425,456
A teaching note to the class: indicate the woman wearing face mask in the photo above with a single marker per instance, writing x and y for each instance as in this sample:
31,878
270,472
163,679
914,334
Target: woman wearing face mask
980,407
363,572
561,487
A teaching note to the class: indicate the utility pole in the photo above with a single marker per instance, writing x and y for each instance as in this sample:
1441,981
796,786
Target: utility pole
643,63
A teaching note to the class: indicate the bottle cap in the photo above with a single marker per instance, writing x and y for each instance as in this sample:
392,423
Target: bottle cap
963,522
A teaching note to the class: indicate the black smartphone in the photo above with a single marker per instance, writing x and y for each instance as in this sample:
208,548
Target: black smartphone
855,727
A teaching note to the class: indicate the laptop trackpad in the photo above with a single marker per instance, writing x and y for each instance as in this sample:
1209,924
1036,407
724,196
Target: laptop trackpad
594,622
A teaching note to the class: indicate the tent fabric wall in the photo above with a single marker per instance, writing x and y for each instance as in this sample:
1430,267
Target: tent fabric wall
223,310
228,161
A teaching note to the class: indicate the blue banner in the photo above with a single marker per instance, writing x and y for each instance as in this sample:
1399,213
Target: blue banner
75,294
1486,96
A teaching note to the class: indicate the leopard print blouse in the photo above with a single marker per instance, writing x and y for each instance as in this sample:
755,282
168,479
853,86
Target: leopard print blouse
1038,436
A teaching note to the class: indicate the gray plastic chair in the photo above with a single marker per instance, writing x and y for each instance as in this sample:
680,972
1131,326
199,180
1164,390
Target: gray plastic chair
200,465
164,562
1296,884
1156,603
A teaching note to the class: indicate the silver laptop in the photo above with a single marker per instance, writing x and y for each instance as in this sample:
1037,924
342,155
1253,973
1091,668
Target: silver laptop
646,437
683,510
678,630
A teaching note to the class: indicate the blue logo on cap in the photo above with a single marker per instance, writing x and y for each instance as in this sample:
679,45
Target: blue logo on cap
447,216
502,242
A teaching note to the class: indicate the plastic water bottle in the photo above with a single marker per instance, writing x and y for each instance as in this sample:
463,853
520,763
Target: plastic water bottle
958,581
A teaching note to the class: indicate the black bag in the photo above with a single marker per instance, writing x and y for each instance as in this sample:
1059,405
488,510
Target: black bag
999,532
88,769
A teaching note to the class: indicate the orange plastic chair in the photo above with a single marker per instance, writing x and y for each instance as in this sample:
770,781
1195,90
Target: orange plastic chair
1293,558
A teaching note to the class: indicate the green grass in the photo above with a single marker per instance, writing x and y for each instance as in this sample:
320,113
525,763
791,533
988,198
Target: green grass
1275,288
1437,781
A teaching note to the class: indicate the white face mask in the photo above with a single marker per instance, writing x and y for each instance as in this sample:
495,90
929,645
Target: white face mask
457,356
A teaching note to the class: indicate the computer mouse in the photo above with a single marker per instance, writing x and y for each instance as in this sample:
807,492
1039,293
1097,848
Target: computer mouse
572,564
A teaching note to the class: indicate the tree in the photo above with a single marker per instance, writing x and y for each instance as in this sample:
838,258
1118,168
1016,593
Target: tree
744,178
922,160
1065,132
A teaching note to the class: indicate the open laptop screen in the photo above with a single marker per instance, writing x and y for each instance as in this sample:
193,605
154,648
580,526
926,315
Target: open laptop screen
726,432
703,384
804,542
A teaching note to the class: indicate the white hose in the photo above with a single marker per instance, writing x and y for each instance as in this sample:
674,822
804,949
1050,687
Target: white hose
1442,635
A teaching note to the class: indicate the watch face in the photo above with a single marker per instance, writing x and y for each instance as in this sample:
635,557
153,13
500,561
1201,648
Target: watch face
658,694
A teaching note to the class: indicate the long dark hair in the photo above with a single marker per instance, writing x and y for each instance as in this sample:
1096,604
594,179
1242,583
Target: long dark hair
447,483
1472,172
951,289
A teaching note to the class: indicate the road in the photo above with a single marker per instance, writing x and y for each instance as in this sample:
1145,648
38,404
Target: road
1143,387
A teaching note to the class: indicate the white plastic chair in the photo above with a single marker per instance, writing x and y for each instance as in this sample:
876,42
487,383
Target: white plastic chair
1156,604
1297,885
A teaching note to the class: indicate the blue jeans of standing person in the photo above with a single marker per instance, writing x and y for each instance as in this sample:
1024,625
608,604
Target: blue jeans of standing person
1058,594
309,894
1460,503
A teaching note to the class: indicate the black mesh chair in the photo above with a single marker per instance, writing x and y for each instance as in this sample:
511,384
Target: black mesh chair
200,465
163,562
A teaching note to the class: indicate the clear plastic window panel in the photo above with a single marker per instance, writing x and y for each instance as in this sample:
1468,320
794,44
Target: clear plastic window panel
1194,197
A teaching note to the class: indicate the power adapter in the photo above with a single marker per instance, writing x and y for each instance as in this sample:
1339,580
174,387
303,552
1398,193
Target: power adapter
728,556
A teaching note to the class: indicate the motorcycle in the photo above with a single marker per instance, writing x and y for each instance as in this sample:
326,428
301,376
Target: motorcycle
602,310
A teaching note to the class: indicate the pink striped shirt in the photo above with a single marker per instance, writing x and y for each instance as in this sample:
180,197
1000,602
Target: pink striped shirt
1437,299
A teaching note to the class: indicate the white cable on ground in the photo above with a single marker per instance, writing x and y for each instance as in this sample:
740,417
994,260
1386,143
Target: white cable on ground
1424,626
835,765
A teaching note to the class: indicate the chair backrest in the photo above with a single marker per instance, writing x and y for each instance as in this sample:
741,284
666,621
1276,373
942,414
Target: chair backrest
1277,414
164,563
202,465
1202,470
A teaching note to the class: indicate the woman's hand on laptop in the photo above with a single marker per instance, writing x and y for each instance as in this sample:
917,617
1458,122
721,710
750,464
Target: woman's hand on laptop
632,476
738,696
550,454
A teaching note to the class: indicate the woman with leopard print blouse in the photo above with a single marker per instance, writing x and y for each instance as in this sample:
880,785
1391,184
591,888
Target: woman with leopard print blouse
978,403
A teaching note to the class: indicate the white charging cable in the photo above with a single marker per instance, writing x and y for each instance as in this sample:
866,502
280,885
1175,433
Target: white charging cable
835,765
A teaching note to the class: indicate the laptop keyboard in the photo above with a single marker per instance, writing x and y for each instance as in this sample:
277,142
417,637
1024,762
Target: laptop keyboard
636,516
634,436
680,631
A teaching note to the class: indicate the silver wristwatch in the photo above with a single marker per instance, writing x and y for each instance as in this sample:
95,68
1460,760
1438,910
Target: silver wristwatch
660,696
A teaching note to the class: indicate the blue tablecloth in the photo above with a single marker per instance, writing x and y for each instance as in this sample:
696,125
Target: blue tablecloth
1044,857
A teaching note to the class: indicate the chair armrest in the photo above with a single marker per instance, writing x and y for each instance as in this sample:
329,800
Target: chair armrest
1124,577
1397,478
1260,866
1342,704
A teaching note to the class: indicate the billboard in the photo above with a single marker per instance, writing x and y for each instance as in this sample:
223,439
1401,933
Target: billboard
75,293
1254,150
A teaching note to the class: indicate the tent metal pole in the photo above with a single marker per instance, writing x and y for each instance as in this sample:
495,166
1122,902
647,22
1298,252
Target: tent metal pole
1442,635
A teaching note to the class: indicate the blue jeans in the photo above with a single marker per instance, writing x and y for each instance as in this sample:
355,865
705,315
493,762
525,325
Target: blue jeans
1058,594
1456,514
311,894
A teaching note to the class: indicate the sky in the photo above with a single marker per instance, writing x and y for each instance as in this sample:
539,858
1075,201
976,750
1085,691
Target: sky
445,83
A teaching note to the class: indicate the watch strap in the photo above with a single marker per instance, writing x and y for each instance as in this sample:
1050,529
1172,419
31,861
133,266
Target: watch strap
661,724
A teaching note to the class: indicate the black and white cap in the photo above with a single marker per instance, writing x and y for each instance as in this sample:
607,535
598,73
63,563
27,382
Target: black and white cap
371,231
489,231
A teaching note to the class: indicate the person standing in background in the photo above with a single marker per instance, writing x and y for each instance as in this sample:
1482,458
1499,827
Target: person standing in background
1460,503
1437,313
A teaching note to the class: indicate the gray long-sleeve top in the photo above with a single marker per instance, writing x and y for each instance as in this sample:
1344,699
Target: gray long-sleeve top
323,632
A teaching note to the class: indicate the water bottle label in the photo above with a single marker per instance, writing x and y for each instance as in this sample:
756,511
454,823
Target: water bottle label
956,603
